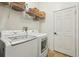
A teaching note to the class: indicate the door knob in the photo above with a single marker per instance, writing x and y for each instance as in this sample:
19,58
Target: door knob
55,33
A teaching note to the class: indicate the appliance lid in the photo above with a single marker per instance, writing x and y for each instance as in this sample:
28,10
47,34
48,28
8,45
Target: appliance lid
19,39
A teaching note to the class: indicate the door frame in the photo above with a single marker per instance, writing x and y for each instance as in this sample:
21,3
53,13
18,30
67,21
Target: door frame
76,27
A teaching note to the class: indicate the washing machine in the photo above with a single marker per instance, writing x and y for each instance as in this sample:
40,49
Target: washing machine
42,43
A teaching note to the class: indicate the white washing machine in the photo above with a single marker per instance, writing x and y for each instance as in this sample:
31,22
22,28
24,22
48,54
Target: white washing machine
42,42
35,45
18,46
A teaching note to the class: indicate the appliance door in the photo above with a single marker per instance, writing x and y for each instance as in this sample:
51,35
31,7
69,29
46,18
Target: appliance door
43,44
26,49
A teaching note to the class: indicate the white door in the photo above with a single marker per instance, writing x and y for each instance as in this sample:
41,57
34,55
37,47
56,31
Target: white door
65,31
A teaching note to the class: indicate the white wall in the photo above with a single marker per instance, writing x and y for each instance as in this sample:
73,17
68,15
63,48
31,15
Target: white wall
4,12
47,25
17,20
14,20
32,4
